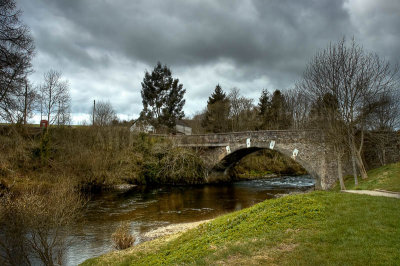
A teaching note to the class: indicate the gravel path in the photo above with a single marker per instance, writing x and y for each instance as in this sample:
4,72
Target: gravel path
382,193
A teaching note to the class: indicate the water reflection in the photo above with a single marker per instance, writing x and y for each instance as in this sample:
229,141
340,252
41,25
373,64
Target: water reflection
147,209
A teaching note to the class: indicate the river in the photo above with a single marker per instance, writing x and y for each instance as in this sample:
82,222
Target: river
150,208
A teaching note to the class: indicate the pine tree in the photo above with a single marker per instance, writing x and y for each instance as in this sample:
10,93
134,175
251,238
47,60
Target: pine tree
162,97
273,111
280,119
264,102
216,117
264,106
217,95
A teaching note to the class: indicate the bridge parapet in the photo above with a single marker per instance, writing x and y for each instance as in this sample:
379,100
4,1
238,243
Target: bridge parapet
218,139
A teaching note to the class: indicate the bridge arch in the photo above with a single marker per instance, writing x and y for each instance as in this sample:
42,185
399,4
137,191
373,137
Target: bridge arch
221,171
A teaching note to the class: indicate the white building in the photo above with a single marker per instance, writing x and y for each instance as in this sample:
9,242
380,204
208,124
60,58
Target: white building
139,126
182,128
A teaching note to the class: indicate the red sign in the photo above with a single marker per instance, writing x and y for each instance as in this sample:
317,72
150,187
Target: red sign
44,123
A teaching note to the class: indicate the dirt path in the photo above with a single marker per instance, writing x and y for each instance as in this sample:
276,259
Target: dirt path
382,193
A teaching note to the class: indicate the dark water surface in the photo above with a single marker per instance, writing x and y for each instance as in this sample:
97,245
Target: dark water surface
148,209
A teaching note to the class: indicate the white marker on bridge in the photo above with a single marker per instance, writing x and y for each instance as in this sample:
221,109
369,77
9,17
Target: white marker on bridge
248,143
295,152
228,149
272,144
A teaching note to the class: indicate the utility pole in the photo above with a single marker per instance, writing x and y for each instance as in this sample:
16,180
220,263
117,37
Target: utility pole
58,113
41,108
26,101
94,111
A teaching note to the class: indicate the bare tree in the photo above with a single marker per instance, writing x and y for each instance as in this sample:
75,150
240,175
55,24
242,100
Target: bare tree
196,121
383,122
27,103
104,114
55,97
386,116
298,106
33,225
64,113
240,111
357,80
16,51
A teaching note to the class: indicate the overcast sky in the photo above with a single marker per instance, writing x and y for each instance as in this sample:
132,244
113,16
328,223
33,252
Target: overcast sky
103,47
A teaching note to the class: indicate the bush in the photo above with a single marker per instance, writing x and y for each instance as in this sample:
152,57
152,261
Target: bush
173,165
122,238
182,166
93,158
32,224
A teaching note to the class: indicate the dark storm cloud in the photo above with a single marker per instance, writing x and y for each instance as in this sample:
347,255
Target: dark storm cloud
103,47
196,32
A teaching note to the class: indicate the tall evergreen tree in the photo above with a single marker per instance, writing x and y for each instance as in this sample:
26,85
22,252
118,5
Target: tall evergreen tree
162,97
217,95
264,102
277,114
273,111
264,106
216,117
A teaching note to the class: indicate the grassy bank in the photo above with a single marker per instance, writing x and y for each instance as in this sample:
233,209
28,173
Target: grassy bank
386,177
93,157
316,228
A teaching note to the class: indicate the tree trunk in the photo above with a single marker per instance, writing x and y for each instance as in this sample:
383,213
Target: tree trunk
361,166
49,107
353,162
357,153
340,171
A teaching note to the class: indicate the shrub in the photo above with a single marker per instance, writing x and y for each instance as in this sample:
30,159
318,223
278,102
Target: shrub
32,224
183,166
122,237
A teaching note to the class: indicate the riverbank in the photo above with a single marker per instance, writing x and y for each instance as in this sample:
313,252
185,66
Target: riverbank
386,177
173,229
93,159
321,227
315,228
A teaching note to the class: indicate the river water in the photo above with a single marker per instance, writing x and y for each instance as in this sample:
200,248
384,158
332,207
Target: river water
151,208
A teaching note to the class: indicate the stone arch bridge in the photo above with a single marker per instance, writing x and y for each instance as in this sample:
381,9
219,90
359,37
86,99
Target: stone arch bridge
222,151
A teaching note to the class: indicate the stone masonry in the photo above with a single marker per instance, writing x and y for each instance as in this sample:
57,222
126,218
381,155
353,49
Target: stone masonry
223,151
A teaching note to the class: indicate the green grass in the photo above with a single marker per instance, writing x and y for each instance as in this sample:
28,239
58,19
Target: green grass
310,229
386,177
